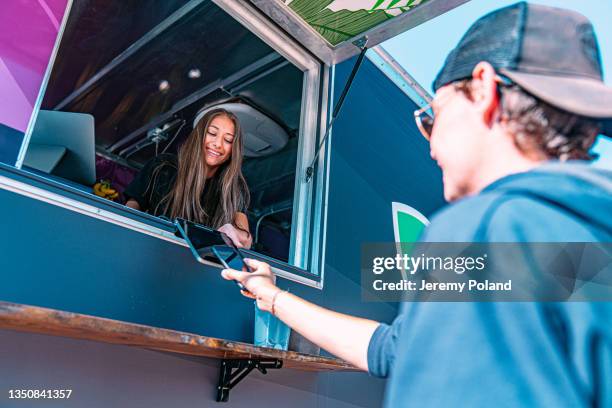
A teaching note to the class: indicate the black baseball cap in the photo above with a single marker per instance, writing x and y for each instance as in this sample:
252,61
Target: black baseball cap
551,53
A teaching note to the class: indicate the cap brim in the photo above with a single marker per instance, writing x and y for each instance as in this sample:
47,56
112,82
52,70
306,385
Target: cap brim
582,96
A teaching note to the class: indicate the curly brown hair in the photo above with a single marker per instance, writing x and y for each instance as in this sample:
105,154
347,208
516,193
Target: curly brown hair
541,129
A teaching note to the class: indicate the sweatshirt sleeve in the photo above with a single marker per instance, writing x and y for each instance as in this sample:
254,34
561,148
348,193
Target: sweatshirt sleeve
382,348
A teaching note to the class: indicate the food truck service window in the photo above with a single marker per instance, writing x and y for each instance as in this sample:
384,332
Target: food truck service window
128,84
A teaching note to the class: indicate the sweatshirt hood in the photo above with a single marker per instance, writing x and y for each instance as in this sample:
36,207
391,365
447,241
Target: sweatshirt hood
576,187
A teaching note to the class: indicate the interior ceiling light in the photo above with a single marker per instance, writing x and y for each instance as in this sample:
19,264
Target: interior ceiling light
164,86
194,73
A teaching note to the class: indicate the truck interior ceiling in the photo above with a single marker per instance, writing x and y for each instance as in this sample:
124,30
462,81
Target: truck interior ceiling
144,72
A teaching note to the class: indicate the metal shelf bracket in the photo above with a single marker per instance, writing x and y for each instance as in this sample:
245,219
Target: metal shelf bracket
234,371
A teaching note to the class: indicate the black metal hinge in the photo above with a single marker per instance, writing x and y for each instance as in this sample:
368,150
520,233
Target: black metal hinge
234,371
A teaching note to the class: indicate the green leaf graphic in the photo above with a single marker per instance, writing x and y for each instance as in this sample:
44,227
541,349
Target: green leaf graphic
342,25
378,3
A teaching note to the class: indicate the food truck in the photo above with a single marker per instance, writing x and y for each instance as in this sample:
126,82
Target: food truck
103,305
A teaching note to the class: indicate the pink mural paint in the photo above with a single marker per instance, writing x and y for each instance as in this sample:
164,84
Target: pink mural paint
28,31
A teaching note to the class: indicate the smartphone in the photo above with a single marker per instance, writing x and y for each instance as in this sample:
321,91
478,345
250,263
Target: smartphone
202,242
199,238
230,258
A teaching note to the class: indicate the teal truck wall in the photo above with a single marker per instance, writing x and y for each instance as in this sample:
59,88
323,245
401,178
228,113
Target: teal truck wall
56,258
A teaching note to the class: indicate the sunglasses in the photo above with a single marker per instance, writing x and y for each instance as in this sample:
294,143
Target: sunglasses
423,121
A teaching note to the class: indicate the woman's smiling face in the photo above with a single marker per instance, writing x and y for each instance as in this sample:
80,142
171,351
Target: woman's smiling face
218,141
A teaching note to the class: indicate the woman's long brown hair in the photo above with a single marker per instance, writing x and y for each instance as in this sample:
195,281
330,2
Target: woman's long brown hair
185,198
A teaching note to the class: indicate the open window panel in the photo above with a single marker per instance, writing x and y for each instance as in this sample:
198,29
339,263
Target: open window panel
330,28
144,70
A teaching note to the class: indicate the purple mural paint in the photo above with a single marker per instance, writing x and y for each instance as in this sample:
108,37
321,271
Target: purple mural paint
28,32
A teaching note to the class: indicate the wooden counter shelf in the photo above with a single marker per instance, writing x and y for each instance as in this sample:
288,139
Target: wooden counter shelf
66,324
234,354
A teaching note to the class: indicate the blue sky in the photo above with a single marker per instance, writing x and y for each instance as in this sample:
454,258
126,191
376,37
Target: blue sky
422,50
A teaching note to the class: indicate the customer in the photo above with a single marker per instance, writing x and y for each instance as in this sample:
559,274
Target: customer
517,99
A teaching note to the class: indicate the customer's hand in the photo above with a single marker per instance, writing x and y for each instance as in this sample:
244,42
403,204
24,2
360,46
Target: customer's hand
240,238
260,283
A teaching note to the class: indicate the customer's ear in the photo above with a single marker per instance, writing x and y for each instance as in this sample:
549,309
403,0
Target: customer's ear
484,91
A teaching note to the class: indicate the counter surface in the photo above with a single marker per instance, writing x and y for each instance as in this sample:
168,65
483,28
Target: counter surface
67,324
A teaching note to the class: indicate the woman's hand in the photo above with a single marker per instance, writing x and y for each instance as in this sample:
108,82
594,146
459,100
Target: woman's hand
240,238
133,204
260,283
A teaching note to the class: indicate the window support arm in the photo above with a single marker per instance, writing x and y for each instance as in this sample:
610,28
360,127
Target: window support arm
361,44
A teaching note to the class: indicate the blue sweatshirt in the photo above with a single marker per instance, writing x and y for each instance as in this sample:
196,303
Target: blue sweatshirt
508,354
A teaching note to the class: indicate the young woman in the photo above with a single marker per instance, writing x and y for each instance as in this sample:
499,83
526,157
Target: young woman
204,184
